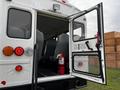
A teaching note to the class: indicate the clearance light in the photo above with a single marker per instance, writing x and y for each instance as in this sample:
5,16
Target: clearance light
19,51
19,68
56,7
3,82
8,51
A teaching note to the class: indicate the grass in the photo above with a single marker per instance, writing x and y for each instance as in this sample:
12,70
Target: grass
113,82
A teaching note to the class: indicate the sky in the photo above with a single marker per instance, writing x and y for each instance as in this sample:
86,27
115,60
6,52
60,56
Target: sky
111,11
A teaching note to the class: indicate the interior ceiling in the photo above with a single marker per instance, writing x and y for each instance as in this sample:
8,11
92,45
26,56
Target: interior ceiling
51,26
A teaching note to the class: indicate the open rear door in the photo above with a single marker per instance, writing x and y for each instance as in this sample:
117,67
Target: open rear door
87,42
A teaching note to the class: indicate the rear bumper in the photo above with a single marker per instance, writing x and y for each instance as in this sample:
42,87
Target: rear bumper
53,85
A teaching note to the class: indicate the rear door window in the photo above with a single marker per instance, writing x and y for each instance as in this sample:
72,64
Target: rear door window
19,23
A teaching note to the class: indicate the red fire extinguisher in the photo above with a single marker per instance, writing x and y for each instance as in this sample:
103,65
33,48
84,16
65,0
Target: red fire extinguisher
61,64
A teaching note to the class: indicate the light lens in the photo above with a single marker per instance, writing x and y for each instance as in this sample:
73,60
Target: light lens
19,68
19,51
8,51
3,82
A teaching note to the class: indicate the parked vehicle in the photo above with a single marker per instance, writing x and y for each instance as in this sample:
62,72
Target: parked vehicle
44,45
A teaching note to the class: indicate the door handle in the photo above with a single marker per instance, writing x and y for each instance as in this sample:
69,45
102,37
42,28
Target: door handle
88,46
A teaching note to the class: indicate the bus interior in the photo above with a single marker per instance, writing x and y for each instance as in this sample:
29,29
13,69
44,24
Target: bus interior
52,39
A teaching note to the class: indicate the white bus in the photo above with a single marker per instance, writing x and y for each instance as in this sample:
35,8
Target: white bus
49,45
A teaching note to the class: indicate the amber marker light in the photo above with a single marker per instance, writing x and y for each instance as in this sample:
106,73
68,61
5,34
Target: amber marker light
8,51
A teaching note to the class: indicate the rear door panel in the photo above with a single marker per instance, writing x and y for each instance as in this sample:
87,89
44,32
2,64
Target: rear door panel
9,63
87,52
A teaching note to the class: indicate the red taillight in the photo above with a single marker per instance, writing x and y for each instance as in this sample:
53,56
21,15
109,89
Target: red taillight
3,82
8,51
19,68
19,51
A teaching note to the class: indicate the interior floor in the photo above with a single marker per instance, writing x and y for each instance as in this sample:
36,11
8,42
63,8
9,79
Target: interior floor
52,40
